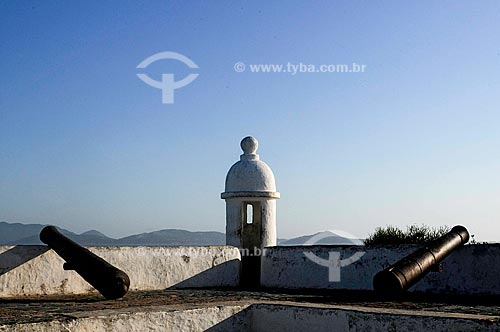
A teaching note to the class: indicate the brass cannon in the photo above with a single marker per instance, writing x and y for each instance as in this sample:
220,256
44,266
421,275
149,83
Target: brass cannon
412,268
110,281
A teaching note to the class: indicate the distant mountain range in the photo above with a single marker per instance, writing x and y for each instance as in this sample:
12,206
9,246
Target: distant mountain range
28,234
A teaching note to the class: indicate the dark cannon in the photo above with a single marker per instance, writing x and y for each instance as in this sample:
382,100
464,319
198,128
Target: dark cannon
110,281
409,270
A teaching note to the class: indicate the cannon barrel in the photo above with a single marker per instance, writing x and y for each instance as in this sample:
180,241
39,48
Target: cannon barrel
110,281
409,270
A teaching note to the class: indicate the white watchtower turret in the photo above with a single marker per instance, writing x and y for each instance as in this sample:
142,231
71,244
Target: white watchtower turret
250,195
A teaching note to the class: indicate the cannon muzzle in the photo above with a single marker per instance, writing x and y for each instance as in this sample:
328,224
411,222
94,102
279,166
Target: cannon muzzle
409,270
110,281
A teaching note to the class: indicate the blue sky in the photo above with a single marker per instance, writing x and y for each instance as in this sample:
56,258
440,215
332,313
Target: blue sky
85,144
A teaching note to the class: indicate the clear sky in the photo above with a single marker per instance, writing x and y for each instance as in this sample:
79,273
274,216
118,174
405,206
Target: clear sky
85,144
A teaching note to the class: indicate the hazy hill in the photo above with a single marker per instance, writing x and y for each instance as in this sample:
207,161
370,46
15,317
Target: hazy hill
16,233
171,237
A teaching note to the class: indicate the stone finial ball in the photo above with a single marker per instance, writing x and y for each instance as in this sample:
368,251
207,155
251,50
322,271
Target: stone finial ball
249,145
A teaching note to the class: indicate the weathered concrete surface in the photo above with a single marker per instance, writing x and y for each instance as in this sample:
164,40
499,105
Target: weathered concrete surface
470,270
231,310
259,318
216,318
293,317
32,270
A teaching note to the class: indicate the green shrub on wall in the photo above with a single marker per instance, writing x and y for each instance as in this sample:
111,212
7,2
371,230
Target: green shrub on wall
414,234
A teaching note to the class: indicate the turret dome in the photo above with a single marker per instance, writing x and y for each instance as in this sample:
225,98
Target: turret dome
250,176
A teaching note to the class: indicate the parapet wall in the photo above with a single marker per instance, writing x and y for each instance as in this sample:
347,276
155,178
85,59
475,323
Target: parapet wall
470,270
36,270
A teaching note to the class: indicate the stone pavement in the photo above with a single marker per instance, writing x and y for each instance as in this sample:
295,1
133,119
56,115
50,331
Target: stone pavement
43,309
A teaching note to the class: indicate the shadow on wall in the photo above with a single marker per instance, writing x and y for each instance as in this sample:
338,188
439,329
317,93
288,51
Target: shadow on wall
214,277
19,255
240,322
274,318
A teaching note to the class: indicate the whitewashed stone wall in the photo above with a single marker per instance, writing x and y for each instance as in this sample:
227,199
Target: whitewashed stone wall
470,270
35,270
263,318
